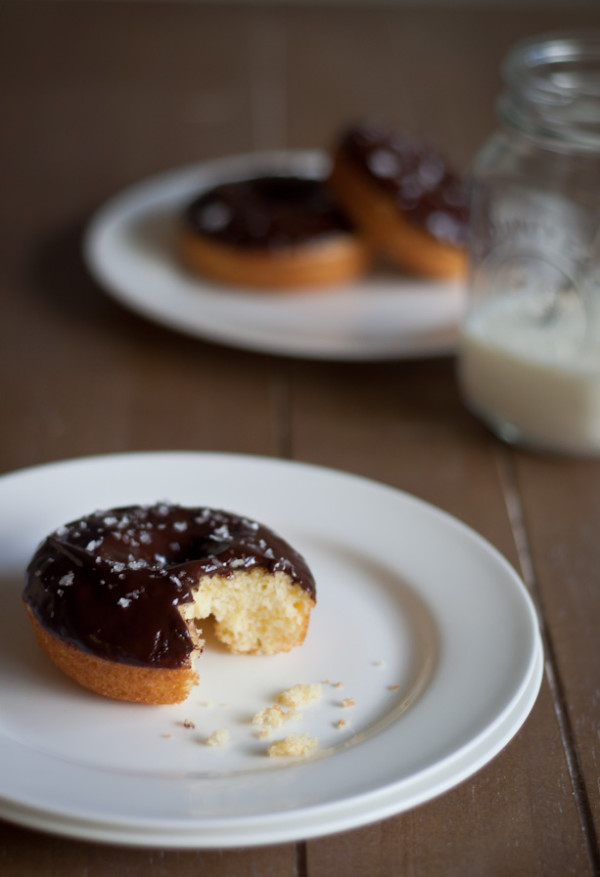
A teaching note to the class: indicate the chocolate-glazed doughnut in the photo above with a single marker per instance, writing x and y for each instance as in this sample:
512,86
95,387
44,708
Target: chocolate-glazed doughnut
404,198
271,232
115,597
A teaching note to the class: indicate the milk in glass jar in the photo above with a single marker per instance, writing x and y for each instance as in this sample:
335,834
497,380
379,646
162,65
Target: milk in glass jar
529,355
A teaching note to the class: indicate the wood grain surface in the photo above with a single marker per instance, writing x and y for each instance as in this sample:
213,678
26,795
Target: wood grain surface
98,95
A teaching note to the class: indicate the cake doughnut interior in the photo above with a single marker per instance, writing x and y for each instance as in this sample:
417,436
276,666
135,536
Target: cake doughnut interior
271,232
117,599
404,198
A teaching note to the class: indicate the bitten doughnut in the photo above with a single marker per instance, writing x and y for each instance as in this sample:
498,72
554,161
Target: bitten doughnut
116,598
403,197
273,233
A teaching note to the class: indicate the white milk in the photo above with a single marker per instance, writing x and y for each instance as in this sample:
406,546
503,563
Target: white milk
534,381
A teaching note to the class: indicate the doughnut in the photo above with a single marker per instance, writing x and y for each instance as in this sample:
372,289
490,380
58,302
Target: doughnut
404,199
117,598
278,232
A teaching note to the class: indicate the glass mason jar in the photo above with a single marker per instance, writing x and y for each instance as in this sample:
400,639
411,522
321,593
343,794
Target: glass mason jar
529,353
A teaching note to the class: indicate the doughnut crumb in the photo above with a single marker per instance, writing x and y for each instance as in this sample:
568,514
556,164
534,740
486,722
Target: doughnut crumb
220,737
273,717
294,745
300,695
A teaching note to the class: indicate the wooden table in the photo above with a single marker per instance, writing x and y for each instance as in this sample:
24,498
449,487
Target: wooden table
96,96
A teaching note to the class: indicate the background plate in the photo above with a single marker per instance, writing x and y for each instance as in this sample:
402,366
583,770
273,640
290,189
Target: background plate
439,650
131,249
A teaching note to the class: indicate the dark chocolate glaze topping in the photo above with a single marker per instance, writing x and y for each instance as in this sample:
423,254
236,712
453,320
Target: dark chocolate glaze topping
267,213
111,582
425,189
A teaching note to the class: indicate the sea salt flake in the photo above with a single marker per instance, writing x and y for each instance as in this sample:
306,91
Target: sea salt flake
431,171
137,564
444,226
215,217
237,562
383,163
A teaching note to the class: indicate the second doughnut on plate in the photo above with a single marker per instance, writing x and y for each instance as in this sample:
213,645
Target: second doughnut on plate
404,198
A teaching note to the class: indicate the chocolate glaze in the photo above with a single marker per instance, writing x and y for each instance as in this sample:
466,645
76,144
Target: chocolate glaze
110,583
425,189
270,212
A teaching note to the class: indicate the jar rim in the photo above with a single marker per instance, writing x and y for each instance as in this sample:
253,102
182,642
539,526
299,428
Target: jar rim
553,86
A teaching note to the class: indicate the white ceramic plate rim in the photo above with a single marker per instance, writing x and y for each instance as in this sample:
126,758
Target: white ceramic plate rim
130,248
345,817
325,799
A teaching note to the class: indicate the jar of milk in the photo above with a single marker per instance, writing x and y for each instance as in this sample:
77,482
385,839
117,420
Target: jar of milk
529,355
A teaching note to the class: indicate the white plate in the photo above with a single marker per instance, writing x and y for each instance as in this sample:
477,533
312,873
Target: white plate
131,249
407,597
